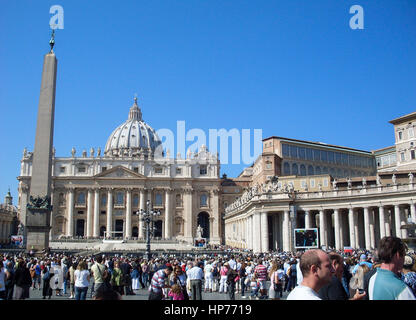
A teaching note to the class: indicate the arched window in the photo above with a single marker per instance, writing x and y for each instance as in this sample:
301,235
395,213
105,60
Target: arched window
324,170
318,170
310,170
294,169
302,170
286,168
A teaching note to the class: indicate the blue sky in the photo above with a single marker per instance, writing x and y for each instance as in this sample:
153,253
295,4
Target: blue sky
291,68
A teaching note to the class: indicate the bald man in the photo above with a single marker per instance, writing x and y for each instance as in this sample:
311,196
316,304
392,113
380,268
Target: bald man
317,272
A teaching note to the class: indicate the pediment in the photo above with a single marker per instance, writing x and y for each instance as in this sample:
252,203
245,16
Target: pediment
120,172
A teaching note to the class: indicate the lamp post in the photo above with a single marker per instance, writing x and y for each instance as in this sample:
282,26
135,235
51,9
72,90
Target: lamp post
148,216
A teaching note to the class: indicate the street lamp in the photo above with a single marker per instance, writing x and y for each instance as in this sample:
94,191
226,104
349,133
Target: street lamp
148,216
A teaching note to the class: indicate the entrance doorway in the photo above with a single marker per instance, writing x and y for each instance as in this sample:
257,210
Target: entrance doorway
203,221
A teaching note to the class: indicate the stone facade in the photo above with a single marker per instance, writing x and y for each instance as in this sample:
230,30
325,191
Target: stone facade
355,208
95,192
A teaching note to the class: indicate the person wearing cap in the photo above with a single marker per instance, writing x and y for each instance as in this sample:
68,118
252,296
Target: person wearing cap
363,260
408,275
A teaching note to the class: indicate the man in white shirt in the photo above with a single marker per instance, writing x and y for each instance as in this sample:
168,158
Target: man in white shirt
317,271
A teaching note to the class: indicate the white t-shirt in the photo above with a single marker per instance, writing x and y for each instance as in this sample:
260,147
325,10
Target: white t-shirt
81,278
303,293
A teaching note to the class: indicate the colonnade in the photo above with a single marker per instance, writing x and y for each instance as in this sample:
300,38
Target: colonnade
355,226
98,216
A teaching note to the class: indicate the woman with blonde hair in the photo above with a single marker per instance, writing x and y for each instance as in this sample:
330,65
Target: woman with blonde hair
357,281
82,281
274,281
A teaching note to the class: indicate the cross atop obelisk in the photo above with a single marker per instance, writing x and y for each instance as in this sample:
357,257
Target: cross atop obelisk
39,207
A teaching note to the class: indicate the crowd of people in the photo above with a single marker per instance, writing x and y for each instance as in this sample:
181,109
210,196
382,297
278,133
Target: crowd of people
387,273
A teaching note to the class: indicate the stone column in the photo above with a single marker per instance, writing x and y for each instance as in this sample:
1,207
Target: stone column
109,227
168,214
256,234
382,222
217,217
128,214
397,221
286,231
89,213
188,206
264,232
70,217
351,227
337,229
387,222
322,228
413,212
142,204
403,221
372,231
307,219
96,231
367,228
250,232
356,229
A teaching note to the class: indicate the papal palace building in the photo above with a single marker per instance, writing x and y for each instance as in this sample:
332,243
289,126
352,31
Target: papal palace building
353,197
97,192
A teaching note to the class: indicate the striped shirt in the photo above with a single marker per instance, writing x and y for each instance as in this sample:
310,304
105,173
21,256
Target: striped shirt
158,281
261,272
385,285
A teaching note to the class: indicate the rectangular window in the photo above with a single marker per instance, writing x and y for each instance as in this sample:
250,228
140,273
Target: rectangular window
331,157
302,153
309,154
324,156
402,157
412,154
303,184
158,170
400,135
120,198
80,212
285,150
136,169
325,182
81,169
293,152
338,158
317,155
410,133
62,169
103,212
103,200
158,199
135,200
312,182
103,169
178,170
203,170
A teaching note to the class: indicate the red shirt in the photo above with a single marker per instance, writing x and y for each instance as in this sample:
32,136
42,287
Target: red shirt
261,272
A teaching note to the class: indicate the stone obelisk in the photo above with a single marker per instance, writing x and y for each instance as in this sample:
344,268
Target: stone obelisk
39,207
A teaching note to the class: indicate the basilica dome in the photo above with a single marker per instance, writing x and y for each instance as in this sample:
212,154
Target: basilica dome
134,137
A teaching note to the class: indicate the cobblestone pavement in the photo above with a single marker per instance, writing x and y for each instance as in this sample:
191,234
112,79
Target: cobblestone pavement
142,294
